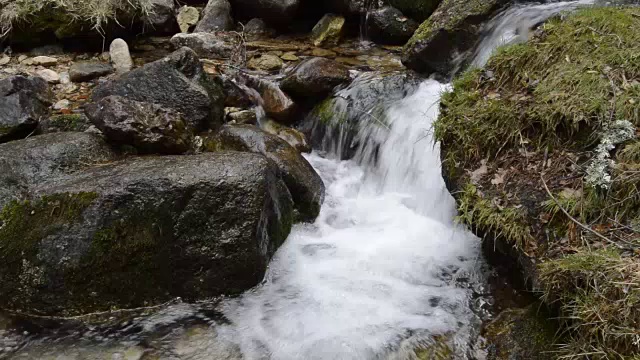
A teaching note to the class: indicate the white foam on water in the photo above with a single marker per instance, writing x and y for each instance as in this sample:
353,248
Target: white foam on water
381,261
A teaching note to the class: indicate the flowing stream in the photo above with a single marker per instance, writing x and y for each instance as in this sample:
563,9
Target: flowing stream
382,270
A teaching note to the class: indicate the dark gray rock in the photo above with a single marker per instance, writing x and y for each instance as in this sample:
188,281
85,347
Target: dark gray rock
207,45
448,35
86,71
418,10
162,17
236,95
143,231
305,185
216,17
24,101
315,77
148,127
389,26
29,162
351,7
256,29
274,12
176,82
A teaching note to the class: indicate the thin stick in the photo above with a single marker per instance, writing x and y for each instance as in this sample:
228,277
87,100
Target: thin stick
585,227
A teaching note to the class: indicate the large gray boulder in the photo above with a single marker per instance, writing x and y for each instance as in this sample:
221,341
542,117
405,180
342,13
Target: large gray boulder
216,17
141,232
389,26
315,77
431,49
275,12
177,82
29,162
148,127
304,183
24,101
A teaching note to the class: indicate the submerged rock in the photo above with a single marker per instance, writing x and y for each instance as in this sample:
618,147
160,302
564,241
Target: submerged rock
176,82
86,71
431,48
148,127
328,30
216,17
206,45
143,231
24,101
305,185
389,26
315,77
29,162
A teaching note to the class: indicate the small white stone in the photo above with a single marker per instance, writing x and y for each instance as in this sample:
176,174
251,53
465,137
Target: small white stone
120,56
22,58
64,77
62,105
44,60
4,60
51,76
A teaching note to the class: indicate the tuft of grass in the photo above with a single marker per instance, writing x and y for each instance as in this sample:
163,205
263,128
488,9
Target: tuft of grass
98,13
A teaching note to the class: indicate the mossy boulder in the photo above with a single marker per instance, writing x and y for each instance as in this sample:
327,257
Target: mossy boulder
328,30
141,232
29,162
418,10
524,334
539,148
304,183
64,123
450,31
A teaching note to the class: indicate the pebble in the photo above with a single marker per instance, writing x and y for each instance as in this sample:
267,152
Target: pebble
50,76
120,56
44,60
62,105
4,60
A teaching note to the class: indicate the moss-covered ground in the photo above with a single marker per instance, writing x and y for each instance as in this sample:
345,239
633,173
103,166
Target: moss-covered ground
521,139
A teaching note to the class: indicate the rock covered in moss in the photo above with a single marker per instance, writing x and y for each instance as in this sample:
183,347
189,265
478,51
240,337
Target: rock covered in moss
64,123
389,26
143,231
292,136
24,101
328,30
266,62
177,82
521,334
418,10
29,162
452,29
148,127
216,16
315,77
304,183
187,17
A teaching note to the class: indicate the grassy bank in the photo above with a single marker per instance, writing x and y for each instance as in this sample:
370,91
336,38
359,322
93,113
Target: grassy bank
541,149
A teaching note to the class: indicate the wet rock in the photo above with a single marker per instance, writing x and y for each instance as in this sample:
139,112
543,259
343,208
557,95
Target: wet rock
49,76
23,102
521,334
328,30
389,26
148,127
276,12
144,231
120,56
430,49
162,17
257,29
265,62
29,162
64,123
206,45
238,116
418,10
292,136
187,17
275,102
216,17
236,95
315,77
305,185
88,70
177,82
43,60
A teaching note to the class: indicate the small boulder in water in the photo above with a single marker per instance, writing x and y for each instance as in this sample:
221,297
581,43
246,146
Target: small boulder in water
148,127
275,102
328,30
389,26
24,101
216,17
315,77
120,56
